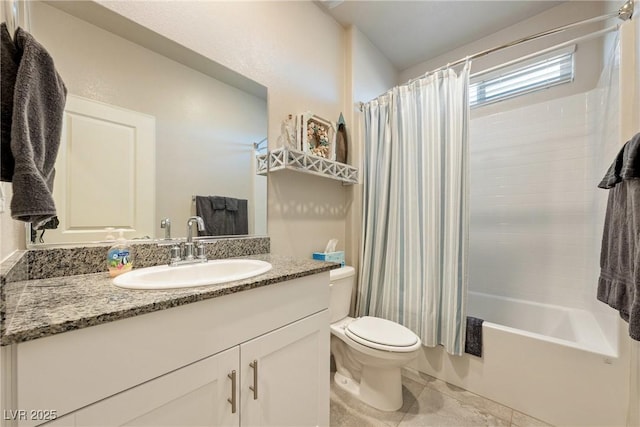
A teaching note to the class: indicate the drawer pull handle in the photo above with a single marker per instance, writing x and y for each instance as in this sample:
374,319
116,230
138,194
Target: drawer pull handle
254,389
232,377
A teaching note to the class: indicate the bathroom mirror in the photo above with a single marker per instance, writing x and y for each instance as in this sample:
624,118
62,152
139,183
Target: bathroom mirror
149,125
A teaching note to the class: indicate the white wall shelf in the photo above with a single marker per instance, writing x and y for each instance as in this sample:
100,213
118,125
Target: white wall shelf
286,158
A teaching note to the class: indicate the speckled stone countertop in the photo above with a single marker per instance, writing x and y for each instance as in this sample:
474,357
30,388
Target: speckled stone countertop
44,307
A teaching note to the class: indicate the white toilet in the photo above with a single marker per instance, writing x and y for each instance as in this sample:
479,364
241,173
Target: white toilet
369,351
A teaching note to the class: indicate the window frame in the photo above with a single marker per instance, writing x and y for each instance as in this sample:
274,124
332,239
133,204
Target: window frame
562,57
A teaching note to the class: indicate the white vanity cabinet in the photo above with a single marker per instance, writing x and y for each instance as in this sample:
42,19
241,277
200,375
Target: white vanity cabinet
290,374
174,367
195,395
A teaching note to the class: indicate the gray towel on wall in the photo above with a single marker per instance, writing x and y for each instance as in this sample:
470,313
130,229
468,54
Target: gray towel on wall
619,281
222,216
9,62
211,210
473,340
241,219
625,166
38,106
231,204
217,203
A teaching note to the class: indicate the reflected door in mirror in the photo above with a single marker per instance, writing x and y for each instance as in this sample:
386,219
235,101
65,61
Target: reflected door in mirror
105,172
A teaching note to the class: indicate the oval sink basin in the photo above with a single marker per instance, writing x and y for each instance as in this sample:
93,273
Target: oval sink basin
186,276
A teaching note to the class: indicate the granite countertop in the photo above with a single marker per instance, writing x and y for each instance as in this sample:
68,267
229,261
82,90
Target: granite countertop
44,307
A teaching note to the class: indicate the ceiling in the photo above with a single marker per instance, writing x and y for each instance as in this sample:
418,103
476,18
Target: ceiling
410,32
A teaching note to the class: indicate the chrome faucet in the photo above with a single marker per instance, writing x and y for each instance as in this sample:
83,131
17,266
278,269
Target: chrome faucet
188,246
188,253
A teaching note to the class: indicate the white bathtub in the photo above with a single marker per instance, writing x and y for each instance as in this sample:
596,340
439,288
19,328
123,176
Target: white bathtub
553,363
565,326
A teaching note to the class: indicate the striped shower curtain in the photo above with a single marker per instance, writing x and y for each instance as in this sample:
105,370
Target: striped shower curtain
415,208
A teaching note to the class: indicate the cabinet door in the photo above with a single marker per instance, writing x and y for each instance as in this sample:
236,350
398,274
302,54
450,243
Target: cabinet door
290,367
195,395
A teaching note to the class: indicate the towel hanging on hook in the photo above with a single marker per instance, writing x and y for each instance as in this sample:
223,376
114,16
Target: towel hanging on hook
31,125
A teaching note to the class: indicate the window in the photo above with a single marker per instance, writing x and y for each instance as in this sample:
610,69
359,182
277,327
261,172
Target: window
533,77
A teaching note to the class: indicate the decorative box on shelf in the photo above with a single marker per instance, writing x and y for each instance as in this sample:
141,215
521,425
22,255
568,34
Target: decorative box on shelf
287,158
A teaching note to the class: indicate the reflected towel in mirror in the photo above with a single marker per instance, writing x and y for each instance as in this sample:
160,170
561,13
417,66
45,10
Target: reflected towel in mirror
223,216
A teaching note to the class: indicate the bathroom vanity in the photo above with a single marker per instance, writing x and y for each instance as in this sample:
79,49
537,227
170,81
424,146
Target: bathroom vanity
251,352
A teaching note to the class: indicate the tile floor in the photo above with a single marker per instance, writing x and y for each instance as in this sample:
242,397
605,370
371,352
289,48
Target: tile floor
427,402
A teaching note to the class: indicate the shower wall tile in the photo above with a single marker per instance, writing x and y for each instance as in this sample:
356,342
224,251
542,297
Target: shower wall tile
535,211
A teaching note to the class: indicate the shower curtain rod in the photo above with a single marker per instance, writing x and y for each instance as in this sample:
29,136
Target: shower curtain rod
549,49
624,13
257,145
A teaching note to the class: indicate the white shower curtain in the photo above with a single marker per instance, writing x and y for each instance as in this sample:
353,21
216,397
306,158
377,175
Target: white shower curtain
415,208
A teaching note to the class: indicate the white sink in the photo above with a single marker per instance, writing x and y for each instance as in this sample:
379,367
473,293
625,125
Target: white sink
186,276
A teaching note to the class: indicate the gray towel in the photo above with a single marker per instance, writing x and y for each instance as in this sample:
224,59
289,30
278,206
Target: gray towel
211,210
38,105
241,218
473,340
218,203
625,166
222,216
231,204
9,62
619,281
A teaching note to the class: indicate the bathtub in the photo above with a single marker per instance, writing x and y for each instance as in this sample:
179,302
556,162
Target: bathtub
554,324
550,362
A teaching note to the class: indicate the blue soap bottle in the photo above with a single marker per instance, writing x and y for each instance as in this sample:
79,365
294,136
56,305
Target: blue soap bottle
119,256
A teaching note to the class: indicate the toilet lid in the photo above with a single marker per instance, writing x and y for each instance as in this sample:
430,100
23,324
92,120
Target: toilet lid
373,330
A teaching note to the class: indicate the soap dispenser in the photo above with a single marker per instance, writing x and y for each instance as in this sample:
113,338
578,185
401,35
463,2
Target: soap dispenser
119,257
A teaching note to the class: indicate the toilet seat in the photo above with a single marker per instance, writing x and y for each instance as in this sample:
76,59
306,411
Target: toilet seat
382,334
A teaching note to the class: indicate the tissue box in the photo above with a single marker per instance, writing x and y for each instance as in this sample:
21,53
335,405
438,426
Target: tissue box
337,256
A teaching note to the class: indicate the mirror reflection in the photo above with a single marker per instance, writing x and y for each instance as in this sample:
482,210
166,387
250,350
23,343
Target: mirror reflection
148,129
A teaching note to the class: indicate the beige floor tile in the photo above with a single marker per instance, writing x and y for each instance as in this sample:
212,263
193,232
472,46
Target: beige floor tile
467,397
343,415
473,399
522,420
417,376
347,411
434,408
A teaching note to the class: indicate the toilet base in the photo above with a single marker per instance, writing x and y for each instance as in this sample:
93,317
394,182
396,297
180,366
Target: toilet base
381,389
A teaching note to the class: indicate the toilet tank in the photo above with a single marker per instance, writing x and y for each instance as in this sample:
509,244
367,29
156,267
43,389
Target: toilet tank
340,290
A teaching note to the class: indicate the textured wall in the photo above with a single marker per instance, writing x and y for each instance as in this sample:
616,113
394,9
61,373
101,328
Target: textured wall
369,74
294,49
588,56
204,128
297,52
